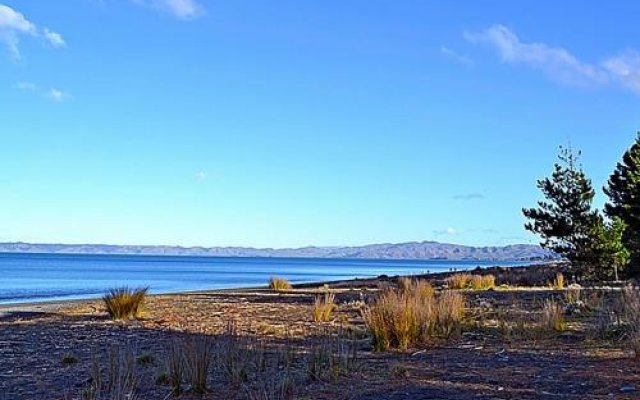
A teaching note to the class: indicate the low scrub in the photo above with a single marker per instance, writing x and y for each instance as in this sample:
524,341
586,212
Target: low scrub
124,302
411,317
469,281
279,284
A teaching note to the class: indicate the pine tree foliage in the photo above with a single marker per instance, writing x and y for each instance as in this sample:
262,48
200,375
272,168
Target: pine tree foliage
612,255
623,189
565,220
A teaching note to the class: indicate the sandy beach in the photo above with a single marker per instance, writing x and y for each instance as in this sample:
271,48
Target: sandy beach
48,349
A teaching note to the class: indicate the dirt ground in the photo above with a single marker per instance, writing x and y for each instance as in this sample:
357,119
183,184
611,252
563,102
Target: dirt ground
48,352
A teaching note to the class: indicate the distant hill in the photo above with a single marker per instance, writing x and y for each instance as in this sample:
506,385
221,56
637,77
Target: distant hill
410,250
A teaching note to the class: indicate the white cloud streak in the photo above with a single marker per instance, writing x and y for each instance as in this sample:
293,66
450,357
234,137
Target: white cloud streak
455,56
54,38
201,176
14,24
559,64
181,9
26,86
445,232
57,95
53,94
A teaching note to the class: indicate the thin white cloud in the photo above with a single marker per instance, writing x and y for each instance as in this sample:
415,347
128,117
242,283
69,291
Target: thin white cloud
469,196
54,38
556,62
14,24
559,64
181,9
26,86
201,176
53,94
625,68
445,232
57,95
455,56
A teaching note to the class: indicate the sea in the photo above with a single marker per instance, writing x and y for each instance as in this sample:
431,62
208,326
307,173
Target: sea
30,278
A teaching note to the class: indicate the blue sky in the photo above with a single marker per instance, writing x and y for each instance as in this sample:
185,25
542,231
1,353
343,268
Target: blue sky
292,123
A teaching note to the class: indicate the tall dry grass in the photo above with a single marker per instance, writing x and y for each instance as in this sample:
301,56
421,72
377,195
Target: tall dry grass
198,356
115,381
552,317
125,302
279,284
174,365
559,281
469,281
629,315
413,316
323,307
458,281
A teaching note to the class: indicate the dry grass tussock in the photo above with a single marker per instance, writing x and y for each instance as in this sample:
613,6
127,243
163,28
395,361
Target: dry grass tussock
469,281
124,302
117,381
323,307
629,316
552,317
279,284
559,282
413,316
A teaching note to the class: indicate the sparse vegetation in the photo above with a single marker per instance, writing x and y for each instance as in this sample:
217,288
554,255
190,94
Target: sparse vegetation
124,302
279,284
276,353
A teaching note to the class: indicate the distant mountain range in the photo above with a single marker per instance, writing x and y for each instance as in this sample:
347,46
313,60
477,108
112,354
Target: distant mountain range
410,250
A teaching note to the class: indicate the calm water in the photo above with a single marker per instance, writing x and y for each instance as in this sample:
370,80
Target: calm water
43,277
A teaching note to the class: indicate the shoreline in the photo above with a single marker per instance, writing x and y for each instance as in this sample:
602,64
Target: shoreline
356,283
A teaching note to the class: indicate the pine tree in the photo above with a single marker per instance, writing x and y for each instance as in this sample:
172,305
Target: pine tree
623,190
612,255
565,220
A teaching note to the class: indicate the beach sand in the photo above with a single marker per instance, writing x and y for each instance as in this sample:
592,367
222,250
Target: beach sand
47,350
